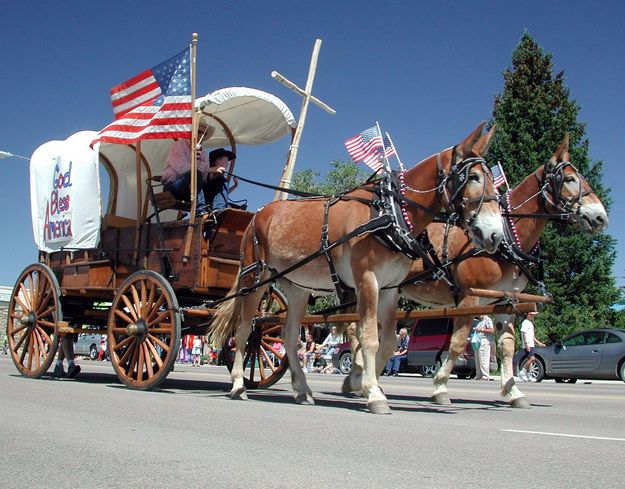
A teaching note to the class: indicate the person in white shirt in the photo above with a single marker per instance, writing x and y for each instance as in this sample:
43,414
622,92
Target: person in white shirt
529,341
482,361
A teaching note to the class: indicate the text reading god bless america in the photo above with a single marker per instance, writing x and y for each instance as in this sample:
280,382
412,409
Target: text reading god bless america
58,223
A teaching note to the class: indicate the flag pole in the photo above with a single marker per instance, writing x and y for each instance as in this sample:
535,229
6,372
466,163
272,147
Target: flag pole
505,178
194,125
401,166
387,165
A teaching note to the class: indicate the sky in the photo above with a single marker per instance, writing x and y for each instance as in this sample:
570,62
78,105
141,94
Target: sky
428,71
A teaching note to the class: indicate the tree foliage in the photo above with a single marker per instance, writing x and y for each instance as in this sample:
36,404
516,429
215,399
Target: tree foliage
532,113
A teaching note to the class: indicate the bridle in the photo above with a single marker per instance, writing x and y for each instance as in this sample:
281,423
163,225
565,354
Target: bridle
551,184
452,184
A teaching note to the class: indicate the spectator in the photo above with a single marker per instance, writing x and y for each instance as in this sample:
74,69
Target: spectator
484,328
66,352
529,341
319,364
331,344
400,353
308,353
197,351
103,348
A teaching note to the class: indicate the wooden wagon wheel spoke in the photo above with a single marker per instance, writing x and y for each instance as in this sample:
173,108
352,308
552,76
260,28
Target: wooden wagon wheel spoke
144,298
122,343
144,330
21,327
19,301
268,361
130,308
155,308
154,353
47,312
124,316
42,332
45,323
49,296
27,296
164,346
259,347
159,318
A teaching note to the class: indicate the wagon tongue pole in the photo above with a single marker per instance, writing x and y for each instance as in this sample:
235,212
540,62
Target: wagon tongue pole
285,180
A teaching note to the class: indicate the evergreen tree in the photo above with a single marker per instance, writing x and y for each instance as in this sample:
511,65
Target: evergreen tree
532,113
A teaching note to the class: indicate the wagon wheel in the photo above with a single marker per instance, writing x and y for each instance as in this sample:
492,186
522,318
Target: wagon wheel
264,366
144,330
34,312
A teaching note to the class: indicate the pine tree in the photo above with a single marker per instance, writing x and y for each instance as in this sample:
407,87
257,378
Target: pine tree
532,113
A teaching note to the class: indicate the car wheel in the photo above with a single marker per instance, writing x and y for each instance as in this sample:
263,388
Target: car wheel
345,362
536,372
429,370
565,380
623,371
93,352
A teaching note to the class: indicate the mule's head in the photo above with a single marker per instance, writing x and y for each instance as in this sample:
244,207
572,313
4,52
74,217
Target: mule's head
565,191
469,191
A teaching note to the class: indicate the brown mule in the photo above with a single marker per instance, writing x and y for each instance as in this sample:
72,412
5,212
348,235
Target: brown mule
284,233
554,188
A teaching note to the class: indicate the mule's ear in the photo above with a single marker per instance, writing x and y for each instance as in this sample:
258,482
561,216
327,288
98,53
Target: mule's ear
562,153
464,148
482,145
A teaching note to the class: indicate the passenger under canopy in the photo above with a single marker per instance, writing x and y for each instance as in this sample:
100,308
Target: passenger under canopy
235,115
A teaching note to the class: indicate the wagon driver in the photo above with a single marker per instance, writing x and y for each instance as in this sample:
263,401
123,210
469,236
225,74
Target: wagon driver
176,176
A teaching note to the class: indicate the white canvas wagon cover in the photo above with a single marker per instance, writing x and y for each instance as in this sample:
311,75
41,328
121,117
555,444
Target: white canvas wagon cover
236,114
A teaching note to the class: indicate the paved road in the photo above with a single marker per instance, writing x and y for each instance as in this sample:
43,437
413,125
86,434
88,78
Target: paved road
94,432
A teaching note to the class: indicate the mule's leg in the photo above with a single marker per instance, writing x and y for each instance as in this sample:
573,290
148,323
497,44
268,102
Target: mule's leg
462,326
509,389
298,299
368,303
353,382
242,333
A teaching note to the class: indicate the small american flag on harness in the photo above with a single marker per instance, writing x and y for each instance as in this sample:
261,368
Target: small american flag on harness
499,177
366,147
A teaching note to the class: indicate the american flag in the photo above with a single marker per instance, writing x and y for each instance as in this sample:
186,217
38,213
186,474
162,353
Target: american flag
366,147
389,149
153,105
499,177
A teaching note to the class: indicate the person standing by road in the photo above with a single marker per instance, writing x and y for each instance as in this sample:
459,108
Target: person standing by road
484,328
529,340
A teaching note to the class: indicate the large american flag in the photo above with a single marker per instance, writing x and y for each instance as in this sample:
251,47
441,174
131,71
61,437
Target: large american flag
499,177
155,104
366,147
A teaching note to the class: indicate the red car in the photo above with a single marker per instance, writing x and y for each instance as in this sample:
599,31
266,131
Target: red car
427,349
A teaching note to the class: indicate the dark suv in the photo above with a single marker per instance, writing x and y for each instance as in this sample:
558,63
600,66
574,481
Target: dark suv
427,350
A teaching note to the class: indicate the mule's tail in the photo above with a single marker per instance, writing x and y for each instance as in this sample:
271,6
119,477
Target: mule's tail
226,317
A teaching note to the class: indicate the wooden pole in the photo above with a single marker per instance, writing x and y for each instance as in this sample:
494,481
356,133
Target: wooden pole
135,254
194,125
287,173
500,294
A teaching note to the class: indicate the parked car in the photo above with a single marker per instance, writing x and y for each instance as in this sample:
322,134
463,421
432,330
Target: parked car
427,349
88,344
593,354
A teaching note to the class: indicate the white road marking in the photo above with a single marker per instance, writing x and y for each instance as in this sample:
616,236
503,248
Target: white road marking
566,435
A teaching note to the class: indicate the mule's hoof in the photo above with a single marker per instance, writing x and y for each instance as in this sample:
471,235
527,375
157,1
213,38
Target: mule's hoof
520,403
441,398
379,407
239,394
347,386
305,399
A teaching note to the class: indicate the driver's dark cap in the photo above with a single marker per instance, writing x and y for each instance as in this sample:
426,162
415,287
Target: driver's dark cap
218,153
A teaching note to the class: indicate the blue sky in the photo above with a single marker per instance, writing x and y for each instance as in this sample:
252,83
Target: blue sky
428,71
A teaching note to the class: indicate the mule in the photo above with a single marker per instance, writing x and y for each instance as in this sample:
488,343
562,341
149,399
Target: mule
555,188
284,233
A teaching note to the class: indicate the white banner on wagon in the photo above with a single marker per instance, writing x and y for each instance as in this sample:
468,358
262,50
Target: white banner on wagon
65,194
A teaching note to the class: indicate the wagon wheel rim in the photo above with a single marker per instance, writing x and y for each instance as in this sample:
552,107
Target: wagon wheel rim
144,330
33,316
263,365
